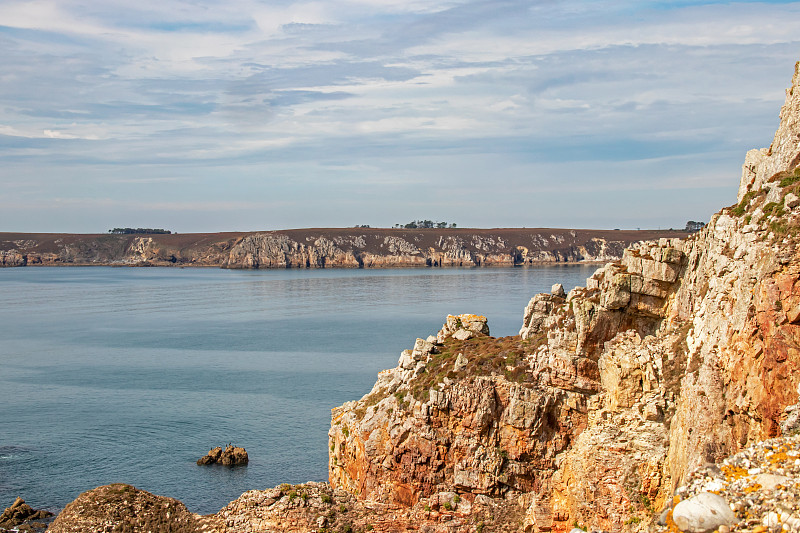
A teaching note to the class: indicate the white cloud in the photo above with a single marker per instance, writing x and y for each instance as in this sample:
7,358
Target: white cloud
243,96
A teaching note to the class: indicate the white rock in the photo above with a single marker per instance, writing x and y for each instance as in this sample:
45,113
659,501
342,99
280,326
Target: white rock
558,289
714,485
774,193
770,481
406,360
771,519
463,334
791,200
702,513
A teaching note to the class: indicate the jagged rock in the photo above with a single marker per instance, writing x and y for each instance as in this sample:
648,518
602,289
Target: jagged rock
558,290
461,363
761,164
230,456
463,327
703,513
19,512
537,311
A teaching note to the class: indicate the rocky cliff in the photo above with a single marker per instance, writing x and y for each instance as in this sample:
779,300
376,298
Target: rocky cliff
678,354
325,248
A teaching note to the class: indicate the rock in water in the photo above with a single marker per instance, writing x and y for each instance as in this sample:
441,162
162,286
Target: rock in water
702,513
234,456
231,456
19,512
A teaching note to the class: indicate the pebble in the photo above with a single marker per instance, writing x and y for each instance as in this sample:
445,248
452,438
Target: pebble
761,486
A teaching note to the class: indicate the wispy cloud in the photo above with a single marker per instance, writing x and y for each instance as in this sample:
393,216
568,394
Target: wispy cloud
310,110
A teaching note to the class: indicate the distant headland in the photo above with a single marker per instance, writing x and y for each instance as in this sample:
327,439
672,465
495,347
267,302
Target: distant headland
359,247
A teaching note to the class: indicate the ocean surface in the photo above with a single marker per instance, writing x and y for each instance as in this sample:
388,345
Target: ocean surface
132,374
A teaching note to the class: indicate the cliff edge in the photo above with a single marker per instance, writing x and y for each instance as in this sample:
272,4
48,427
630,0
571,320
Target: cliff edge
675,356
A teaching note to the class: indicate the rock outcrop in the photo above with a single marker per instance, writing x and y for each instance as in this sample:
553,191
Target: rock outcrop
230,456
760,165
19,513
120,507
324,248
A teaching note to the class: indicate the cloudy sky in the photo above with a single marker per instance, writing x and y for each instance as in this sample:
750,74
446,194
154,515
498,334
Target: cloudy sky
205,115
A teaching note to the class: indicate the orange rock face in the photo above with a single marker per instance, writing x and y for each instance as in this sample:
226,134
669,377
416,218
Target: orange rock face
677,355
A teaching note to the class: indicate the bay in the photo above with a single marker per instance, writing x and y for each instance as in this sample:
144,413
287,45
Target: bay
131,374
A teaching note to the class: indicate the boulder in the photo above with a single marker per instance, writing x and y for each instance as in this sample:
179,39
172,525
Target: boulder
463,334
461,363
703,513
230,456
558,290
20,512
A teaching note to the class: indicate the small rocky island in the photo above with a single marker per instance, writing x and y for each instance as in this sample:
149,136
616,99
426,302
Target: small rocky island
230,456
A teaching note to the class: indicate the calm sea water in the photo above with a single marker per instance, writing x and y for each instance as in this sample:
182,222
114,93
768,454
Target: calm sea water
131,374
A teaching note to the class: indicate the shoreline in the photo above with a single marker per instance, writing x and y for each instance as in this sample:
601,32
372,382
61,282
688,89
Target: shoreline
379,267
327,248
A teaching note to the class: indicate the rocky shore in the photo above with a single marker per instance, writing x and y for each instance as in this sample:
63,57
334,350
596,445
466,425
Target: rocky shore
663,395
325,248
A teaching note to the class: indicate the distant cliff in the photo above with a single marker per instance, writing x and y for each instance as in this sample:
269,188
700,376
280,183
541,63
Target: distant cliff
325,248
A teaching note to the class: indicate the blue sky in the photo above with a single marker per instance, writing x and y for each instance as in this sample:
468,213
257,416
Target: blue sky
241,115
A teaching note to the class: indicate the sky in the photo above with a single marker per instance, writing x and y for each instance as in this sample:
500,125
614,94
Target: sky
242,115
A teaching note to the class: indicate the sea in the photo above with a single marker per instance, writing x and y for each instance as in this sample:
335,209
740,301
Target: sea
132,374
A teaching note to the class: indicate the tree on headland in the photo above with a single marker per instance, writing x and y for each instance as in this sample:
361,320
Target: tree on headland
425,224
693,226
139,231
